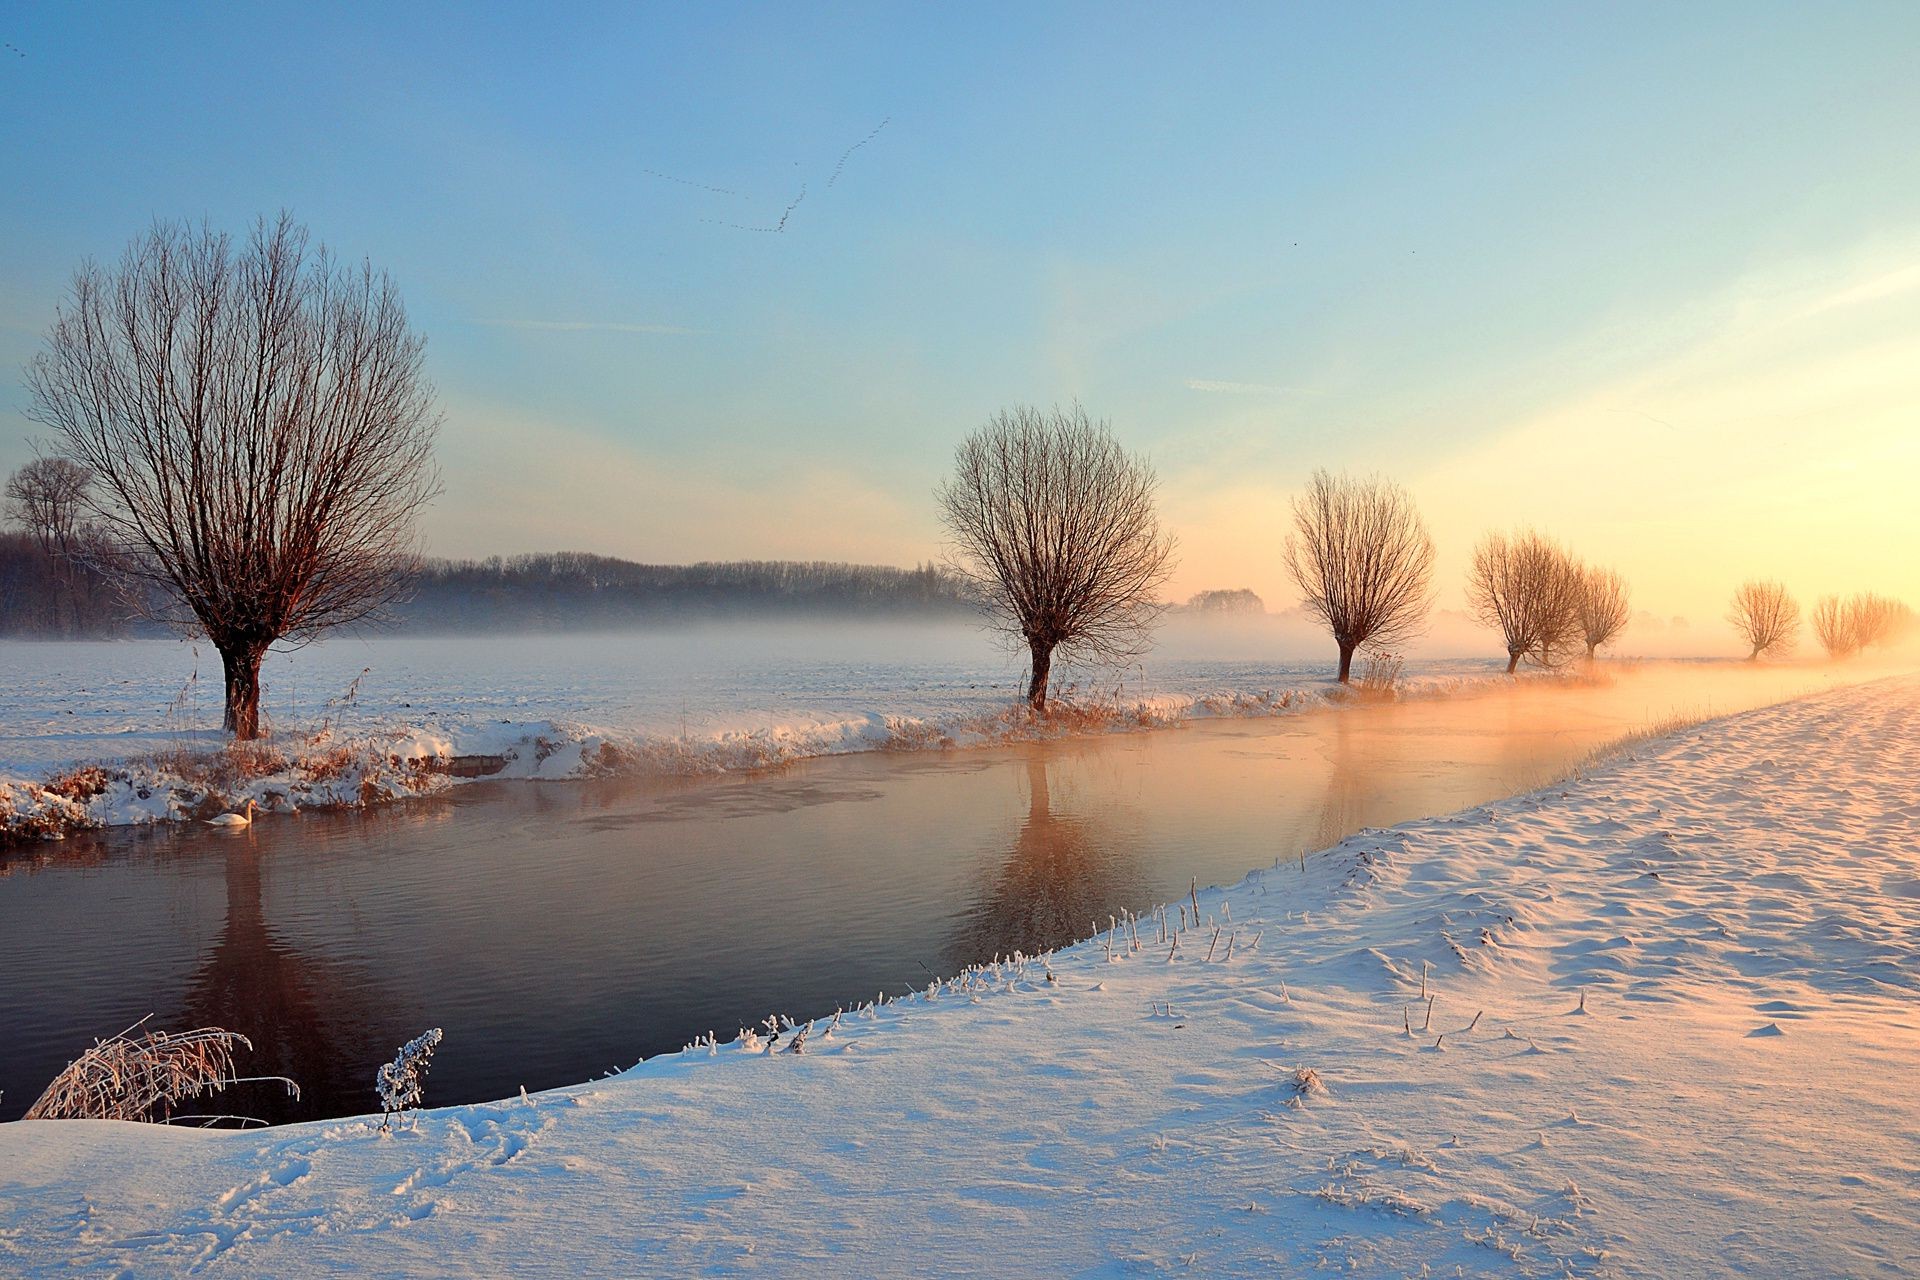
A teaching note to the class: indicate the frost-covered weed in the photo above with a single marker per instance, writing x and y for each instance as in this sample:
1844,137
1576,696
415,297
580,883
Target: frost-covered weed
402,1083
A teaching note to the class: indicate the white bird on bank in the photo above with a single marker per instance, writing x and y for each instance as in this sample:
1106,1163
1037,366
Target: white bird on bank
233,819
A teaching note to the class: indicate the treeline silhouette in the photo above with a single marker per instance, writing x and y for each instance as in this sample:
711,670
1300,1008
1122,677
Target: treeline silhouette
42,596
43,593
573,589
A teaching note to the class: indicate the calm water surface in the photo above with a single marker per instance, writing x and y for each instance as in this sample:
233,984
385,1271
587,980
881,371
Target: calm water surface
557,931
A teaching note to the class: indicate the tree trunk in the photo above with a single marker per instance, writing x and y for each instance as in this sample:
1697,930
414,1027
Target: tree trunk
1513,662
1346,663
242,665
1042,665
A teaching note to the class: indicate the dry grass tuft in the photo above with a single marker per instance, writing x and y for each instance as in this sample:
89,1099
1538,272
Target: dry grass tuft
327,765
231,768
130,1078
1380,677
80,784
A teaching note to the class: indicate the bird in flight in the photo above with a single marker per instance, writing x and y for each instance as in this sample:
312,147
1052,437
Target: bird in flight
13,48
667,177
778,226
855,147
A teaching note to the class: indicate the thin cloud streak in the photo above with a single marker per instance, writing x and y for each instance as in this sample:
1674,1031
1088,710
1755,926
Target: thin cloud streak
1212,387
593,326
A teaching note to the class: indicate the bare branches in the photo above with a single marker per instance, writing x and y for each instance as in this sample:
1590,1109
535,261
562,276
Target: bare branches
1055,525
1363,561
1861,621
1528,588
1833,627
259,426
129,1078
45,497
1605,607
1765,617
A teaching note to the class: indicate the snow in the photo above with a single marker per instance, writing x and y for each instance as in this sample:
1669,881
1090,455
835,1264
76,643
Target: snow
361,720
1671,1033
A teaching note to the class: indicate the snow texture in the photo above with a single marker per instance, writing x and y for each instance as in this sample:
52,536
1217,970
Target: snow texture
363,721
1658,1021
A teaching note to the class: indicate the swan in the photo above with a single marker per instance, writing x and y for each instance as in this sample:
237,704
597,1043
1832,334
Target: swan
233,819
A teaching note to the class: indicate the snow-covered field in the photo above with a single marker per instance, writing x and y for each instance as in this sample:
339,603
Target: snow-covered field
688,700
1671,1033
817,687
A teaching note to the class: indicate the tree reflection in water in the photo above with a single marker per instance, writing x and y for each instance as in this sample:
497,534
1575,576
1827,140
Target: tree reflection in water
310,1020
1066,870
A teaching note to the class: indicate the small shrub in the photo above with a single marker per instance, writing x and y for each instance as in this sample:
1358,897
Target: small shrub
402,1083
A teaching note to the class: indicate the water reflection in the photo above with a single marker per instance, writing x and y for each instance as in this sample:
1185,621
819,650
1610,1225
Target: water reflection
307,1016
1069,866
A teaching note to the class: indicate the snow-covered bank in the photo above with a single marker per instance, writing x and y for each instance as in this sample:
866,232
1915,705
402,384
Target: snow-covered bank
109,734
1671,1034
79,751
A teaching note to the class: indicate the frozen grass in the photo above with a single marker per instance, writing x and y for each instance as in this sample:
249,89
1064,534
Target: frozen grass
143,1077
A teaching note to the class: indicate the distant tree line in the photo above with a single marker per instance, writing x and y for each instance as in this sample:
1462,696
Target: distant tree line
572,589
54,579
1225,601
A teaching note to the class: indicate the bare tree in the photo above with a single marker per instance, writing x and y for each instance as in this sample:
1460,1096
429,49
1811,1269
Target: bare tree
44,497
1876,619
1861,621
1605,607
1054,524
259,428
1765,616
1833,626
1363,561
1529,589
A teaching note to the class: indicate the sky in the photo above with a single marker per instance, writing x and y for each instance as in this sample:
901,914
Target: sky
1644,276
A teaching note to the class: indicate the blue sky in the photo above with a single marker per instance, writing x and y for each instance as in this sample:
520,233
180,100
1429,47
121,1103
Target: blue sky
1259,239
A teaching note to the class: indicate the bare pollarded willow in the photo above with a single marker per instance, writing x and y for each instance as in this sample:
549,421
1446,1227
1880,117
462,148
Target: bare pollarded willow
1765,616
1605,607
1055,525
1833,627
1527,587
1861,621
259,428
1877,619
1363,561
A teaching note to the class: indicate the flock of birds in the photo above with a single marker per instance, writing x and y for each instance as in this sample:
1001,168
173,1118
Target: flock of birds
779,225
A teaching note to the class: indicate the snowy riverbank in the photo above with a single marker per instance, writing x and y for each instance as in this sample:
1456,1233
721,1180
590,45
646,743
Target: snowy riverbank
114,734
1672,1033
108,734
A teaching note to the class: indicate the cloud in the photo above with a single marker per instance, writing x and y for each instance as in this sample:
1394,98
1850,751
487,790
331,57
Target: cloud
592,326
1212,387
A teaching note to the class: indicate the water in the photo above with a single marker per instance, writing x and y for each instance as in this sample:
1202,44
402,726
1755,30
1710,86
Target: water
557,931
